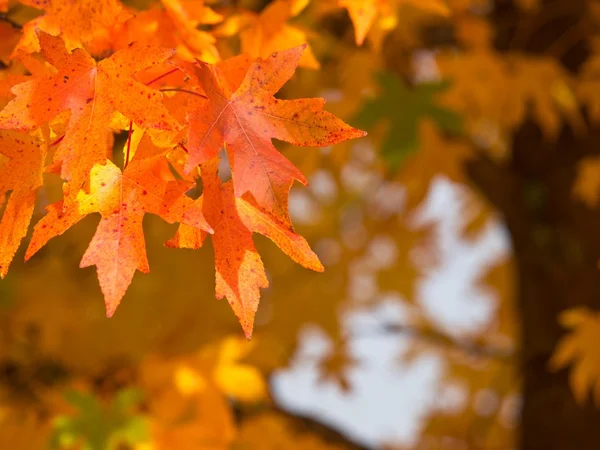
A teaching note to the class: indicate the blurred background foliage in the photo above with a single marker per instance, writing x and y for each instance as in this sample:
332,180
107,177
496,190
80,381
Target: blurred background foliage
480,116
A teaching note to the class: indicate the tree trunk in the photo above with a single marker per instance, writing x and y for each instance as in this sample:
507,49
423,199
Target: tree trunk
555,237
556,244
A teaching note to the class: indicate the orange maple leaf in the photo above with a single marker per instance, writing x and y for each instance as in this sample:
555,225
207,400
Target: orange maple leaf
270,31
91,92
20,172
258,221
239,269
9,37
247,118
122,198
80,23
174,25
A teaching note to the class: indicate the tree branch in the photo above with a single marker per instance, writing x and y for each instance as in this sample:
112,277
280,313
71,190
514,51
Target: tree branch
443,340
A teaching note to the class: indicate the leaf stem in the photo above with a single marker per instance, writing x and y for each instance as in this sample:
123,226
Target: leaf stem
58,141
128,144
184,91
161,76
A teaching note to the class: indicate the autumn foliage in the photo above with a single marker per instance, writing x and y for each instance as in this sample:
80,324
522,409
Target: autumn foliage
76,103
221,143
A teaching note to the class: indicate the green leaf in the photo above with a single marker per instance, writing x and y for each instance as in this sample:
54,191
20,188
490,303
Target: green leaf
100,427
403,107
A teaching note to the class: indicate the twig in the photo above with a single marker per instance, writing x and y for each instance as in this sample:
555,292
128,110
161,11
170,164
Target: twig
58,141
184,91
161,76
440,339
128,144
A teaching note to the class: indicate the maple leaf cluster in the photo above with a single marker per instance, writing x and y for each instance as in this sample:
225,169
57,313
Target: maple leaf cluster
178,113
168,108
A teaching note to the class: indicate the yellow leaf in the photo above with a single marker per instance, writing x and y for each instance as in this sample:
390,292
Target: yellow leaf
587,185
579,349
269,32
363,13
188,381
236,379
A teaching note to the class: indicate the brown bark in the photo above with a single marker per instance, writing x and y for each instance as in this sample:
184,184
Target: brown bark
555,237
556,243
